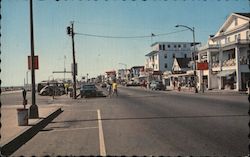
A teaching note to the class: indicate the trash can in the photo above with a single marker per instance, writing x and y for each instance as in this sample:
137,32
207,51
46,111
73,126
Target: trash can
22,116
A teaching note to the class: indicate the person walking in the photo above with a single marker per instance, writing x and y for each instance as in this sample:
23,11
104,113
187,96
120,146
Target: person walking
114,86
109,88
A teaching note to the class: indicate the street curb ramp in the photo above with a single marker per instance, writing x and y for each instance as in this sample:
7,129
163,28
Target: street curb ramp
10,146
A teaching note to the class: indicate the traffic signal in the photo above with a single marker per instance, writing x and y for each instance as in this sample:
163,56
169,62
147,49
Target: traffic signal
68,30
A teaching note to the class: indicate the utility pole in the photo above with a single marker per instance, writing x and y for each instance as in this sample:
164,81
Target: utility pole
70,32
33,108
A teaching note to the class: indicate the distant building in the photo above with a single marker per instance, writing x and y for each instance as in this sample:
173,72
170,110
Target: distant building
135,73
110,75
162,56
227,54
180,65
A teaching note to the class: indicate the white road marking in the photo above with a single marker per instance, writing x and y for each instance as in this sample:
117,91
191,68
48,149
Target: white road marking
101,137
73,129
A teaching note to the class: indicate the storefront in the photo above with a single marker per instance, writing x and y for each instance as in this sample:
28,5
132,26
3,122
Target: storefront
227,79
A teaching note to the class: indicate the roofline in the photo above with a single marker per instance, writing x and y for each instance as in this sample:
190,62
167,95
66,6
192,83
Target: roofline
151,53
225,22
177,42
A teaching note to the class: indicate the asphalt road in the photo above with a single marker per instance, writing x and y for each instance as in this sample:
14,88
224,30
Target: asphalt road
142,122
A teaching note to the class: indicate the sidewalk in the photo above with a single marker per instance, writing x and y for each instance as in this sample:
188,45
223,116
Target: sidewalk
209,92
14,136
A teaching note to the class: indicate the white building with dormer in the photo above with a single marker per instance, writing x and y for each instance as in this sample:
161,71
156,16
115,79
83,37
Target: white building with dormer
162,56
227,54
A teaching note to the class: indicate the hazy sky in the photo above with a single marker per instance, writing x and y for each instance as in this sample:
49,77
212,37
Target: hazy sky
109,18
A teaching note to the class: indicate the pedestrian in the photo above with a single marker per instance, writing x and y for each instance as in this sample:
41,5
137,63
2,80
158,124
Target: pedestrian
109,88
114,86
174,84
189,84
179,86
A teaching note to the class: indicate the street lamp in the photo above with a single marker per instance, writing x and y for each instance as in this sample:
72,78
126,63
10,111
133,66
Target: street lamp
193,54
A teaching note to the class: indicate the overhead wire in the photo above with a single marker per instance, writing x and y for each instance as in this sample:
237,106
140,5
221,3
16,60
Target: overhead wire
130,37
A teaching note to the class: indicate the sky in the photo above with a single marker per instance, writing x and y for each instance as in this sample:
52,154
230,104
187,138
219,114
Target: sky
96,55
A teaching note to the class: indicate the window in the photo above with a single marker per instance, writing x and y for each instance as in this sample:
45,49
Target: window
233,55
247,35
166,65
238,37
173,55
236,21
185,55
184,45
235,37
163,47
159,47
179,46
169,46
174,46
165,56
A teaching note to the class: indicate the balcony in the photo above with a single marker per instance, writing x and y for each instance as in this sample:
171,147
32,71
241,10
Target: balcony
230,62
238,41
208,46
215,65
243,60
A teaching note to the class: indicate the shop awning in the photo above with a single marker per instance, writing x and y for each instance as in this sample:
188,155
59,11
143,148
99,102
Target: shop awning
225,73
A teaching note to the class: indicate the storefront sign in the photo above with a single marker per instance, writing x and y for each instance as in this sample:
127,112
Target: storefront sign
202,66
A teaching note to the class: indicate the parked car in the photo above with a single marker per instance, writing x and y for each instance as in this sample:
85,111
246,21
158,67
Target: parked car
132,83
157,85
49,90
103,85
88,90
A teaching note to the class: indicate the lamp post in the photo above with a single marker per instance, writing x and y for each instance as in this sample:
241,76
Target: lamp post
193,54
33,108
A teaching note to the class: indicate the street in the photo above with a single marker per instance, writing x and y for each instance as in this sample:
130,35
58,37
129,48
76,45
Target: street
144,122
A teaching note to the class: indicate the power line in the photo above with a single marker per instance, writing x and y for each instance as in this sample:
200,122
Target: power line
130,37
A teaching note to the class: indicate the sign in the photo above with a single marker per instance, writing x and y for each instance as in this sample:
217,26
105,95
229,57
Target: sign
202,66
35,62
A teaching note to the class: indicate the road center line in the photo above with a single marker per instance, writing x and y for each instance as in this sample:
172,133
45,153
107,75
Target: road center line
101,137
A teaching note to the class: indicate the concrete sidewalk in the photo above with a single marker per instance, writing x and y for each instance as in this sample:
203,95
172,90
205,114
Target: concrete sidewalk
209,92
14,136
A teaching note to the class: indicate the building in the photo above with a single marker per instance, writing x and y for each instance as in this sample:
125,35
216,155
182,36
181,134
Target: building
110,76
123,75
181,72
135,73
227,55
162,56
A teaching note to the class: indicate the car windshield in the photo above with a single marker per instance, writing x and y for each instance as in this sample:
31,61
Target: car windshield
88,87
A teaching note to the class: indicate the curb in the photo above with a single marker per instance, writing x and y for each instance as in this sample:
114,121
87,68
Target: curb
11,145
